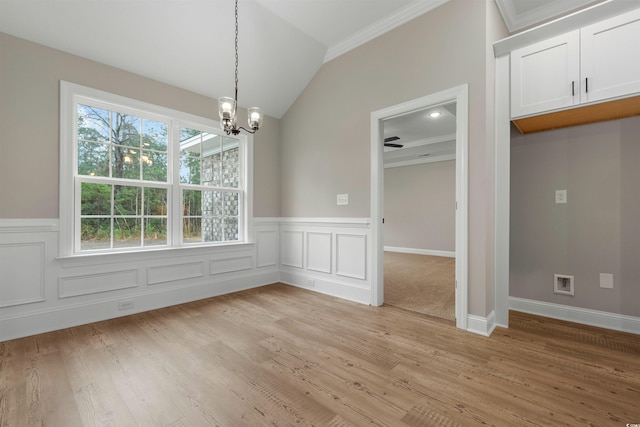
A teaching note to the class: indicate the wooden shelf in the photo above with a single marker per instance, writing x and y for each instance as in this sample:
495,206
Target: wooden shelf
611,110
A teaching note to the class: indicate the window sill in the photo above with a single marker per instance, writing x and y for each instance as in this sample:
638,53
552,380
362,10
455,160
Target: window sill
152,254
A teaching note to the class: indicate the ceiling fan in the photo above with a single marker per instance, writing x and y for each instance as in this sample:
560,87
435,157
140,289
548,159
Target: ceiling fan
388,142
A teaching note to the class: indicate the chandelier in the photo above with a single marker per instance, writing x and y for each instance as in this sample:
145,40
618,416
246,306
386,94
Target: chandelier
227,106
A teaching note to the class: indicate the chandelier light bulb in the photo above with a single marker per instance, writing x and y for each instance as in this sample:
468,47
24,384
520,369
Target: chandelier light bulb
254,115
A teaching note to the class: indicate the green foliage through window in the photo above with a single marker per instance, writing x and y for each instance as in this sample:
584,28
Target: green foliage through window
124,180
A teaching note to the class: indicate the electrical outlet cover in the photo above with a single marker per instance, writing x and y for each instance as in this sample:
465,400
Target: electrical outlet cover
606,280
561,196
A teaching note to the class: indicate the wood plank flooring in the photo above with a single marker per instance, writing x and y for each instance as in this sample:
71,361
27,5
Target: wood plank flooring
282,356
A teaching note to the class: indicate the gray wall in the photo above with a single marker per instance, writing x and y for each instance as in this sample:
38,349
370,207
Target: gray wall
419,206
29,128
597,231
326,133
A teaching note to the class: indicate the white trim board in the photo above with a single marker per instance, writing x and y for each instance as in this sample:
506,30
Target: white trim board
430,252
412,11
28,225
327,286
585,316
481,325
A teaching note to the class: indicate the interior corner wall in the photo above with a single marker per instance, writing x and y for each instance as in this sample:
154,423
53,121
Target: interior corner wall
496,30
29,120
419,206
326,133
596,231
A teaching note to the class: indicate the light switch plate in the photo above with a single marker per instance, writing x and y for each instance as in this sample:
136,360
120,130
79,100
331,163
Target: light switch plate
561,196
343,199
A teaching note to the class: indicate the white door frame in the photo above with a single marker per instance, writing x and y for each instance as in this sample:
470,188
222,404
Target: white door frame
458,94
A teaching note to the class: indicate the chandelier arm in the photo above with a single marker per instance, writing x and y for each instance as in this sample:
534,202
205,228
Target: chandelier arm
247,130
236,130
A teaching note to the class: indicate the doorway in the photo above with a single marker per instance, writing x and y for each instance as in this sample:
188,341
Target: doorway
459,96
419,211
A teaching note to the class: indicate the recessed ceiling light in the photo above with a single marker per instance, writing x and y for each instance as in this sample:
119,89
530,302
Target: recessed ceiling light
434,114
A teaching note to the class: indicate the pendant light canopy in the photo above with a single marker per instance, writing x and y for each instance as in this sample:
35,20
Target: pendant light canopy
227,107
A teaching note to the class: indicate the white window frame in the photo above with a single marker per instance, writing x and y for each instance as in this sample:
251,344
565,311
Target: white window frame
72,94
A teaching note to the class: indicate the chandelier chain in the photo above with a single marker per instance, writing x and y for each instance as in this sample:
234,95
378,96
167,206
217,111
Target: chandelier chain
236,52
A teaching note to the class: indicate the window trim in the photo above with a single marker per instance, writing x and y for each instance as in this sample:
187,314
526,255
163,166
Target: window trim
70,95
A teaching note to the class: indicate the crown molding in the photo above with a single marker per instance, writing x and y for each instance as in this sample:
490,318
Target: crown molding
402,16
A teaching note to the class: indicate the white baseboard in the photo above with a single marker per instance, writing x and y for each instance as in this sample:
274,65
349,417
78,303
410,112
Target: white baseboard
51,319
602,319
430,252
481,325
334,288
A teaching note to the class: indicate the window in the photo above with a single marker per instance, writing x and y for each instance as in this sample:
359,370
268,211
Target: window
135,176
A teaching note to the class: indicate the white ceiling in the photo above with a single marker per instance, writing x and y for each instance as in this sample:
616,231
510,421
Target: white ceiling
190,43
424,139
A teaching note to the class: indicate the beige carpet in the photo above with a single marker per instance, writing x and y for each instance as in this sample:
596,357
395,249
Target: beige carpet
421,283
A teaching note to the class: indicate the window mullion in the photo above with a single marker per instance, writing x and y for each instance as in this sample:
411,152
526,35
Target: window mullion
175,205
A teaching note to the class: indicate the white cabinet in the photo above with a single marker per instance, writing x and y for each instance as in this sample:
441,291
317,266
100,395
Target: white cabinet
596,63
610,57
544,75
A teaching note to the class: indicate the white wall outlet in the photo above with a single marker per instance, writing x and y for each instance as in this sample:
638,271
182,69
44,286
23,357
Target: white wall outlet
563,284
126,305
343,199
561,196
606,280
311,283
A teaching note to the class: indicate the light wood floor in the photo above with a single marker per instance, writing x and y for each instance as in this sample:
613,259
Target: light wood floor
283,356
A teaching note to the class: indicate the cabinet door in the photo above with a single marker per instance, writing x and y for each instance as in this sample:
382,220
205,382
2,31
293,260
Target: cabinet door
610,58
545,76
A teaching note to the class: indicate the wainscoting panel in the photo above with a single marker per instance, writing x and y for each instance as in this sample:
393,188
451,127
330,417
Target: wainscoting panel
351,255
228,265
100,282
267,247
319,252
292,244
335,254
174,272
22,271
